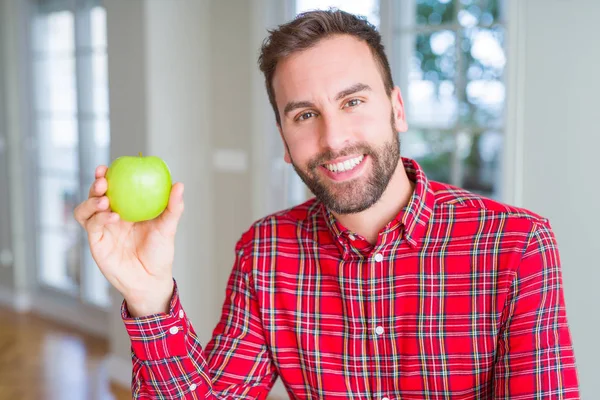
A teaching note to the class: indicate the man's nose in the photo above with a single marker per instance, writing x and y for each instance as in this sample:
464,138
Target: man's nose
334,134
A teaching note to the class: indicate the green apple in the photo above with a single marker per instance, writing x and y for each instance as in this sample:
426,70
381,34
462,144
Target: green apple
138,187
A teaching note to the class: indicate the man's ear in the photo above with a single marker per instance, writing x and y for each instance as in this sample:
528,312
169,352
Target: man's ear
286,156
398,110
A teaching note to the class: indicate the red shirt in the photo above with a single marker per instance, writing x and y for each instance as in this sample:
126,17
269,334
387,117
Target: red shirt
461,298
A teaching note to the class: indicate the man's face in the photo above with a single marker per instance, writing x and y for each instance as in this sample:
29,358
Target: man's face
338,125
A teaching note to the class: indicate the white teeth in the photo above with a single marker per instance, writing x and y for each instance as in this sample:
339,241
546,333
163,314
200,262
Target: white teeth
346,165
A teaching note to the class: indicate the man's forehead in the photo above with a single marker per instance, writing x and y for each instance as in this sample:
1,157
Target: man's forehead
337,50
328,69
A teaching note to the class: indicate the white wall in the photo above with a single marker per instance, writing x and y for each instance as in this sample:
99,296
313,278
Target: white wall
558,100
18,278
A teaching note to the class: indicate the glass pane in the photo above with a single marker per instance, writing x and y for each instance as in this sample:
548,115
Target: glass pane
470,15
94,81
435,12
98,23
58,197
100,77
366,8
102,141
491,11
97,287
58,145
485,91
96,150
480,12
54,33
55,85
60,259
481,163
433,150
431,90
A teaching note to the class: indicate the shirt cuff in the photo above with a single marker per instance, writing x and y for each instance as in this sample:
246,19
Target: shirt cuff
158,336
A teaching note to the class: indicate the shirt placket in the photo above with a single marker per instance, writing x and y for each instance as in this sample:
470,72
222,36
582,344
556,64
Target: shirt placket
356,350
378,327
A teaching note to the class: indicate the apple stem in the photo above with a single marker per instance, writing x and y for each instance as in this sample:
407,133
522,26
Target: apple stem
140,153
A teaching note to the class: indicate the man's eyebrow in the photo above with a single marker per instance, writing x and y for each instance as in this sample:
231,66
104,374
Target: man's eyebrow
292,105
357,87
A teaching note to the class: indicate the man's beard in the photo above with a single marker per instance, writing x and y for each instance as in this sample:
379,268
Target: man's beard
359,194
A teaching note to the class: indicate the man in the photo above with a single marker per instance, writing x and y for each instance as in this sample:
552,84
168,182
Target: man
385,286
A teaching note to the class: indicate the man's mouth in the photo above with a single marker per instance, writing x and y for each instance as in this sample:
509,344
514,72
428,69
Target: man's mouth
345,165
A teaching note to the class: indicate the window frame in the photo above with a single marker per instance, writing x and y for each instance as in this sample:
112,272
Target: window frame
58,297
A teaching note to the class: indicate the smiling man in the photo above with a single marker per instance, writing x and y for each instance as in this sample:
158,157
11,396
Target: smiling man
386,285
340,122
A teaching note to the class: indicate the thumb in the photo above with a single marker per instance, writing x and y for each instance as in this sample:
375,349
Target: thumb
169,219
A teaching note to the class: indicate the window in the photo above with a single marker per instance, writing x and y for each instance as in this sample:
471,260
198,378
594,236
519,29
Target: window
72,136
366,8
448,59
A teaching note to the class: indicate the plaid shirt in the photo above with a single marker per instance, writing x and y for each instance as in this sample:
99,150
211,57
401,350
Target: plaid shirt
460,298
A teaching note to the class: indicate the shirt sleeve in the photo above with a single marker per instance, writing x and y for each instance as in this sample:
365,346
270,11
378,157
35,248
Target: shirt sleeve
170,363
535,358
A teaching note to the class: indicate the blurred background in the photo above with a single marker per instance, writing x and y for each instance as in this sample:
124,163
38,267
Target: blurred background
501,99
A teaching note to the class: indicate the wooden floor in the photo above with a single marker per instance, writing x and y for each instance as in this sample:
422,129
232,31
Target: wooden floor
42,360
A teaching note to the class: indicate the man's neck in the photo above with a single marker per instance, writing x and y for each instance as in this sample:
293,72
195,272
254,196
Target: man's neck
370,222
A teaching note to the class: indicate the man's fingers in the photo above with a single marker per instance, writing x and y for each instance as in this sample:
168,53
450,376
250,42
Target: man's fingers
98,188
96,224
176,199
170,217
88,208
100,171
100,185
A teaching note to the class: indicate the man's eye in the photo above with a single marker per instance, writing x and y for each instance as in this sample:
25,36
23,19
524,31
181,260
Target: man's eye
305,116
353,102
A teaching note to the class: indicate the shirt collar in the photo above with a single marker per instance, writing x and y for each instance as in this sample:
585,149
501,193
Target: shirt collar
412,220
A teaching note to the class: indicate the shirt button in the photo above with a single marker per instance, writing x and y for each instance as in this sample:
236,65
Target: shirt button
379,330
180,313
378,257
193,386
352,237
174,330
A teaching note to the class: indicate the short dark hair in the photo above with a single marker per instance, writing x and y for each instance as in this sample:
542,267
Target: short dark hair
306,30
